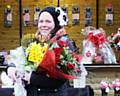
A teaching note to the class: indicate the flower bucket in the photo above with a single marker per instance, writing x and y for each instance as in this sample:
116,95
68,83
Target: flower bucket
103,92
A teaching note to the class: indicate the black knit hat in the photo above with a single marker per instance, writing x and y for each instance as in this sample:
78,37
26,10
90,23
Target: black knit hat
54,14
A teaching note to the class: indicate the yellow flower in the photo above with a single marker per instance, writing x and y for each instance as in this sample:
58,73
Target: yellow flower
36,52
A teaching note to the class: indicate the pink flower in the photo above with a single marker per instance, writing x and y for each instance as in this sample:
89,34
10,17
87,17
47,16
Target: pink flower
88,54
78,70
57,54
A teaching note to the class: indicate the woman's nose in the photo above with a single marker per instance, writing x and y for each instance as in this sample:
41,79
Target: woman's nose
43,23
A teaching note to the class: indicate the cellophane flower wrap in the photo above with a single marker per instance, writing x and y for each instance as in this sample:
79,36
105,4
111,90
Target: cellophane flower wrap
114,40
54,59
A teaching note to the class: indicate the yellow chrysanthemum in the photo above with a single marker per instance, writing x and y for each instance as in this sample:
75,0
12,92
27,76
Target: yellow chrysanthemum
36,52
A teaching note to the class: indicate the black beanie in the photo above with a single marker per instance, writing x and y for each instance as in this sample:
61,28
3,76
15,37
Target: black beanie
54,14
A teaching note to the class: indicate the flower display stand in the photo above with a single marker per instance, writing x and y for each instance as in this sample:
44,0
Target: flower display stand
116,93
103,93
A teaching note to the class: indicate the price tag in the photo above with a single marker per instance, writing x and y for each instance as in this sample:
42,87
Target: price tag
79,82
107,89
117,88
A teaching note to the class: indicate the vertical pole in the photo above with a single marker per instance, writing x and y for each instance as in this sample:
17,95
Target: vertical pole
20,20
58,3
97,14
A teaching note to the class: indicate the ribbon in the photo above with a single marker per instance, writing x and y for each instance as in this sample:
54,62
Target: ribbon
97,39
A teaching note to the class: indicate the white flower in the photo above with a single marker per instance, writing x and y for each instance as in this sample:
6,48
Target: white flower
62,16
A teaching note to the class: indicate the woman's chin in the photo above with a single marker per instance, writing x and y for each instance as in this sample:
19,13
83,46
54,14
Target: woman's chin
44,33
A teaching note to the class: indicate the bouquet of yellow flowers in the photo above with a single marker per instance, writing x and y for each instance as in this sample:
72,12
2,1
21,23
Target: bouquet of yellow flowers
35,53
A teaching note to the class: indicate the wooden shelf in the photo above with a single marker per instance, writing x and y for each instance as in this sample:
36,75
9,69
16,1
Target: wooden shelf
97,67
3,67
101,65
87,66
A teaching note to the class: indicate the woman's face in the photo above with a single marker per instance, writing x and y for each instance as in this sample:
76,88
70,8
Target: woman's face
45,24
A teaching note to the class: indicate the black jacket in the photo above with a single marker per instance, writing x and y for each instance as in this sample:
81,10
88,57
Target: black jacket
44,86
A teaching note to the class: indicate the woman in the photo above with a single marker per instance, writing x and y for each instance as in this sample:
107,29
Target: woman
48,25
50,28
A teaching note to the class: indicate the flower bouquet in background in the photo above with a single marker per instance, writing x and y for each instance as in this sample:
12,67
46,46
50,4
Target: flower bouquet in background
114,40
98,45
116,87
105,87
88,47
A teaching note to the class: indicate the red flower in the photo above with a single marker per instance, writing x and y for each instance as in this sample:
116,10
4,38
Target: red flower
57,54
78,70
70,66
58,61
62,43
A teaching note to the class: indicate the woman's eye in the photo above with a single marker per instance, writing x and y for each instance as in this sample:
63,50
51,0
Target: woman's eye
48,21
41,21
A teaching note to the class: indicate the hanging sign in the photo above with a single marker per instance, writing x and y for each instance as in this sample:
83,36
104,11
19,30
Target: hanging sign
8,16
26,17
36,15
109,14
88,16
75,15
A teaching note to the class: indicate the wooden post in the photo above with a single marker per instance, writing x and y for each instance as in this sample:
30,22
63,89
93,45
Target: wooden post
97,14
58,3
20,20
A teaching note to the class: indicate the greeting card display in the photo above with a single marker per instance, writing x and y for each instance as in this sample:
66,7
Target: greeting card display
26,17
88,16
109,14
8,16
36,15
75,15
